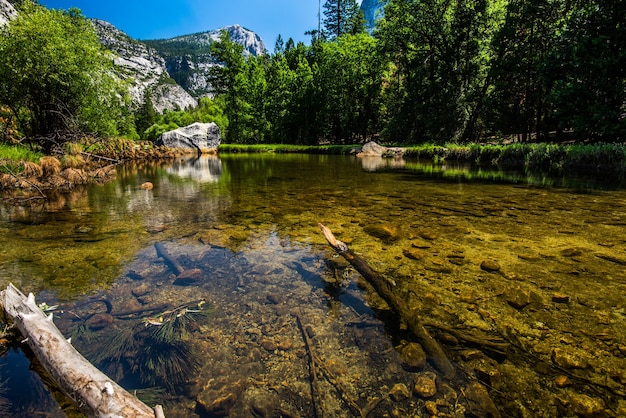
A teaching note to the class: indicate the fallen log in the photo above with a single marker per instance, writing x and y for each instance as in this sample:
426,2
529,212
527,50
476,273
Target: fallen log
90,389
384,288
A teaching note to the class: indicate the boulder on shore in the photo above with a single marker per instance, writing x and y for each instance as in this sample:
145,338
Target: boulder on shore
203,138
373,149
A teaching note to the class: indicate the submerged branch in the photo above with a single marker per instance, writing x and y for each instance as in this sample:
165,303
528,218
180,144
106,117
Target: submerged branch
385,290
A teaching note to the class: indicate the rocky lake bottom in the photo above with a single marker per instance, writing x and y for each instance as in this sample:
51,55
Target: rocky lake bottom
523,287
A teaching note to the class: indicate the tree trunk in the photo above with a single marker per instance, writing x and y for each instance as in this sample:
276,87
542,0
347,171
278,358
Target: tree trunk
90,389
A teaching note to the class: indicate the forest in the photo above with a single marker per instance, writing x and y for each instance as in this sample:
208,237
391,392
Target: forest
438,71
431,71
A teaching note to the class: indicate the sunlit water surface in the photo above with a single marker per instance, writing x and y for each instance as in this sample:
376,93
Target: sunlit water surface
265,320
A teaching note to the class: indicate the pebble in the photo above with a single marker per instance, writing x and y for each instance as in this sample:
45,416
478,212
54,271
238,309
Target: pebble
275,298
399,392
472,354
520,298
563,381
425,385
414,253
219,399
560,298
567,360
431,407
269,345
285,344
490,266
99,321
140,290
413,356
387,233
428,235
422,245
571,252
480,402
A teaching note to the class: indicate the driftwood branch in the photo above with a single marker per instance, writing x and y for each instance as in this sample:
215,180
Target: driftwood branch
385,290
184,276
318,405
90,389
316,362
169,260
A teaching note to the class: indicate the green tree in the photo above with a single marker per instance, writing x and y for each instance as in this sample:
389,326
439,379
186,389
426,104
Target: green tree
55,75
587,70
228,79
440,52
341,17
257,125
349,78
517,102
145,116
279,96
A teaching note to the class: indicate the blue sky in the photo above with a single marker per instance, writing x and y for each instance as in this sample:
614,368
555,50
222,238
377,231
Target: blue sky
165,19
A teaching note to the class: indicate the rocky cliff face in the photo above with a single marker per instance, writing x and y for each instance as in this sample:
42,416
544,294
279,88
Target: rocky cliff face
173,71
252,43
188,58
7,12
373,10
144,68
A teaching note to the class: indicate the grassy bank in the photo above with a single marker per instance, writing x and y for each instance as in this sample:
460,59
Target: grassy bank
603,159
12,157
287,148
607,159
557,158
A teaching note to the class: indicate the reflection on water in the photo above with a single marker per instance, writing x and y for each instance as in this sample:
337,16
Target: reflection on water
524,286
203,169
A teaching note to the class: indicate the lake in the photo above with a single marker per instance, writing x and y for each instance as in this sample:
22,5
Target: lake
215,293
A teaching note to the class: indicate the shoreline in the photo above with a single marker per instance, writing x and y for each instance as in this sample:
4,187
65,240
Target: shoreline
77,167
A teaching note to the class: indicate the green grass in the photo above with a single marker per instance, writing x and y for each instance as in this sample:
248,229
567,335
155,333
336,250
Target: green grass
12,157
553,157
609,159
18,153
287,148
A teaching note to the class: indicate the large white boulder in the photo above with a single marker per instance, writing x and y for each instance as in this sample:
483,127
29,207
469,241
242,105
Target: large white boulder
203,138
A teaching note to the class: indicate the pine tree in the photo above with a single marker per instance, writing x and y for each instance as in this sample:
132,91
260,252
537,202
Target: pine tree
342,16
145,116
279,47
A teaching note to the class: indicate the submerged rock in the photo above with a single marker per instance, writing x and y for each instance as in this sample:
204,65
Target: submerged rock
413,356
414,253
560,298
385,232
426,385
568,360
479,401
219,397
490,266
399,392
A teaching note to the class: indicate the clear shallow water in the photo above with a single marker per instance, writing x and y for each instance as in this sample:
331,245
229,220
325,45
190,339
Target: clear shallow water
245,226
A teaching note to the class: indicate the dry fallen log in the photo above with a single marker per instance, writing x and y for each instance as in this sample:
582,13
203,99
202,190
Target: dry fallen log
384,288
90,389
